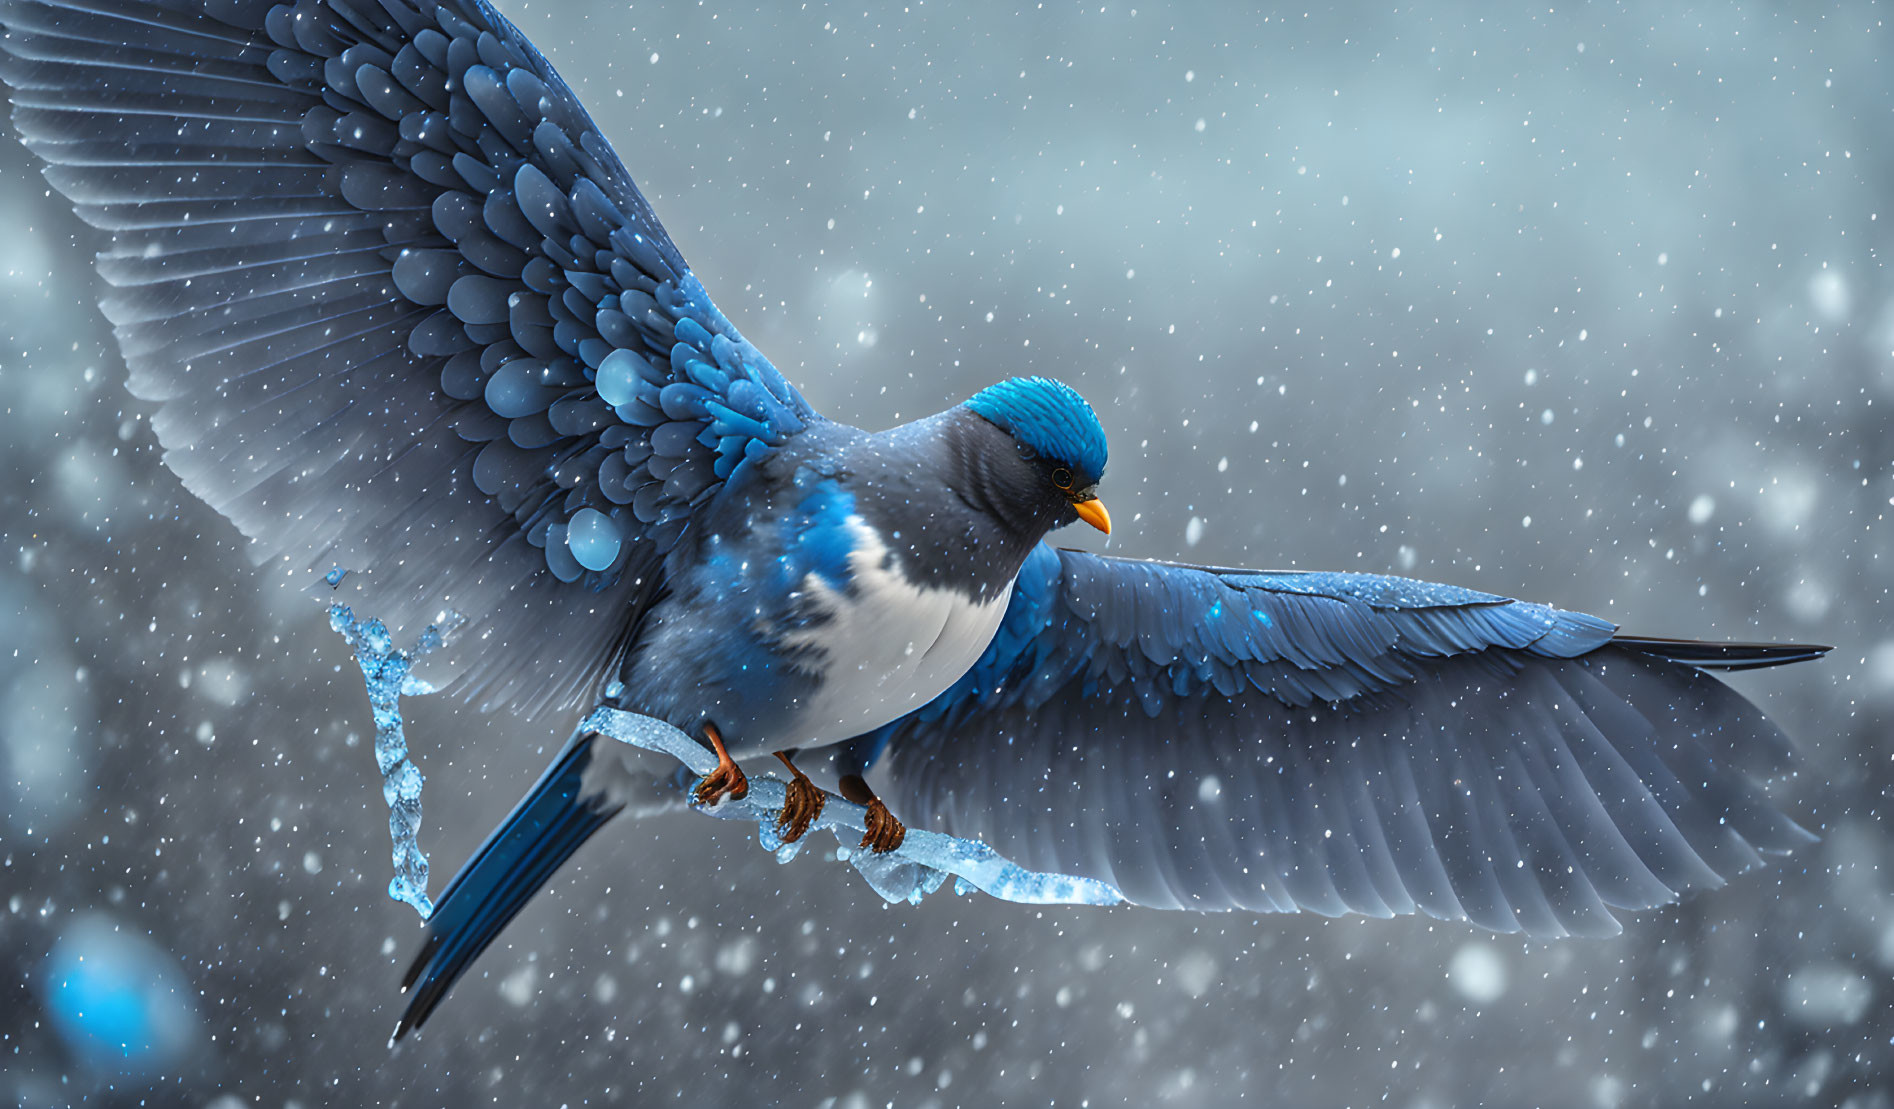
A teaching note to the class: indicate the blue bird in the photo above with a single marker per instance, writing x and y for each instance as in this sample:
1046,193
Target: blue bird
400,308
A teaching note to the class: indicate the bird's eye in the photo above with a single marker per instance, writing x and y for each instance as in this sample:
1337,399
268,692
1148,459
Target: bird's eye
1062,478
1026,452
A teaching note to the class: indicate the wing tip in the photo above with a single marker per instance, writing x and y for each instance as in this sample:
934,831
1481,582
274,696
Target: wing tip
1710,655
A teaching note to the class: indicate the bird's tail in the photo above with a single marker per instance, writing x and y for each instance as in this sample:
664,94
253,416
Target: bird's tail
573,799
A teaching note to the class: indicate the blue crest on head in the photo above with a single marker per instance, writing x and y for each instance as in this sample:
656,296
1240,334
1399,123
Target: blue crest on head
1048,416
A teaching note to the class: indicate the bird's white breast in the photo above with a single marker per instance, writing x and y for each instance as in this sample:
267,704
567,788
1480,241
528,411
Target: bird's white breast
887,646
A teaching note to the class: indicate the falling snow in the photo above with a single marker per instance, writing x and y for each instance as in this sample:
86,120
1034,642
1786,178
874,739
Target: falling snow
1650,243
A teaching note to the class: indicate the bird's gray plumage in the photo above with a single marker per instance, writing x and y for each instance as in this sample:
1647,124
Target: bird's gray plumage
952,502
962,505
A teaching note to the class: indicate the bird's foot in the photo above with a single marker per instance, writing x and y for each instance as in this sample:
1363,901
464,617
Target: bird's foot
726,780
802,805
885,833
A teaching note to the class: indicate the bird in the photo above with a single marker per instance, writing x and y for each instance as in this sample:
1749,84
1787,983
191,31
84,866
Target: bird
398,307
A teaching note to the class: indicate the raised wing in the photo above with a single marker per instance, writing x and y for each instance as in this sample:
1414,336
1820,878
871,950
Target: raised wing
401,307
1216,739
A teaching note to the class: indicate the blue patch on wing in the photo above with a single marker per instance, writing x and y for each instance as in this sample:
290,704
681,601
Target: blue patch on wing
817,537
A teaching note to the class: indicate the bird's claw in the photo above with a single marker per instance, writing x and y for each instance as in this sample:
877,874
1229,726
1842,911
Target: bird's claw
884,833
801,807
726,780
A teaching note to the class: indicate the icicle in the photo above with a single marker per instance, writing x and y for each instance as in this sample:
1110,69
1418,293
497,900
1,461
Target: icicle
385,671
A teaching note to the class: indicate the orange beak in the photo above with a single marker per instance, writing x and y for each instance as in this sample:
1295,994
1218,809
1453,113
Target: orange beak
1093,512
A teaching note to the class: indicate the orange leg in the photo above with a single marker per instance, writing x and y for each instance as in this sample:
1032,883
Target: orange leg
726,778
885,833
802,806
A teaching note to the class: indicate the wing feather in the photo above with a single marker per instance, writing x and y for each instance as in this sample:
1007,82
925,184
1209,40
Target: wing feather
370,259
1393,747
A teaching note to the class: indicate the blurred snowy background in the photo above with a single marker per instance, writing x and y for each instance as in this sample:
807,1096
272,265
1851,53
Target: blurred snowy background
1584,305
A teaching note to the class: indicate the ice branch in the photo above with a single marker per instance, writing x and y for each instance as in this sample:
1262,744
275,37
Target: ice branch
910,872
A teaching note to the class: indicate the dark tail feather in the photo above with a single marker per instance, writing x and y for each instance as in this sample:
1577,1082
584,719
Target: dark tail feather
535,839
1705,655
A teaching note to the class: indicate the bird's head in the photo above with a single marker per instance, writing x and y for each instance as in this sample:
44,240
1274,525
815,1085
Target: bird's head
1058,437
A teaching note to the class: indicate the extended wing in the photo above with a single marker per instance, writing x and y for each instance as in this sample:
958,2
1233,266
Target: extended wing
401,308
1216,739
